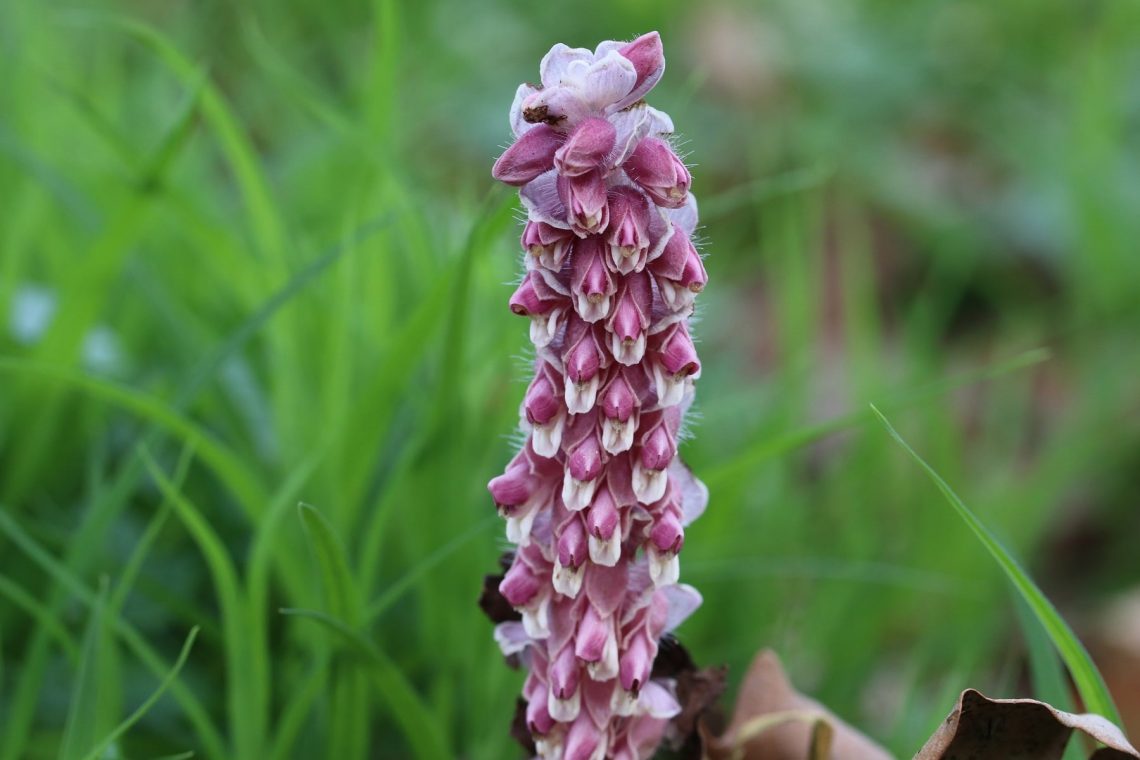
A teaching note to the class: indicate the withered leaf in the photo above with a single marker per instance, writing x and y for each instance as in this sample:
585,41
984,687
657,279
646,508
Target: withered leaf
772,721
1018,729
492,602
519,731
672,658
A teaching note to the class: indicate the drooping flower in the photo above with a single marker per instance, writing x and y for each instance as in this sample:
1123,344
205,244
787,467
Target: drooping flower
597,501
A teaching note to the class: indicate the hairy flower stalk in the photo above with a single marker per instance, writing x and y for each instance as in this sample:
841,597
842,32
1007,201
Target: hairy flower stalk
597,500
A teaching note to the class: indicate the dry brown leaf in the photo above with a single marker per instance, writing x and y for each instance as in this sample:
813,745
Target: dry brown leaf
1018,729
773,721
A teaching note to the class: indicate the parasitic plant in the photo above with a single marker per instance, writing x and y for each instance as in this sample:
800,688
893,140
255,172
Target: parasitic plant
597,500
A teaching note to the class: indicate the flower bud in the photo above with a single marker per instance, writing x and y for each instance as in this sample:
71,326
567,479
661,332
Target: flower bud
679,271
585,148
584,359
520,584
585,199
531,155
583,466
628,231
591,283
545,306
675,361
569,564
593,631
544,411
547,243
630,319
636,662
602,522
656,169
667,534
648,59
619,414
538,718
564,699
584,741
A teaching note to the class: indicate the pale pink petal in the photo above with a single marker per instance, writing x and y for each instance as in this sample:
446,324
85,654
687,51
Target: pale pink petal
685,217
658,701
542,202
512,637
659,123
694,494
557,60
683,601
607,81
630,124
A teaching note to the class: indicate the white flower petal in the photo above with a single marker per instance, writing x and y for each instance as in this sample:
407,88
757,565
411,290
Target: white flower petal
660,123
577,494
683,601
580,397
631,125
512,637
664,568
648,485
608,80
606,552
564,710
657,701
555,63
694,493
542,202
686,216
568,580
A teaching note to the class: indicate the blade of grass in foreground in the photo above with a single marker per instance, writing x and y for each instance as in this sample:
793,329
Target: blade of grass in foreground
420,728
136,716
93,695
764,448
246,693
192,708
1045,669
1090,683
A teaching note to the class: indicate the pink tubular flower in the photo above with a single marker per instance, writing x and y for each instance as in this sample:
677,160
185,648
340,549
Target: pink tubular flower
598,500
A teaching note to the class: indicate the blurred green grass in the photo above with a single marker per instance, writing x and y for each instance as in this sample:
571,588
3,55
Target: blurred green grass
251,256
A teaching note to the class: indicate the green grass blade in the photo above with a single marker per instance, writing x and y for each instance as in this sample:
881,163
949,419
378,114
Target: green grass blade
348,730
401,586
142,547
224,462
247,701
148,703
1049,683
332,564
767,448
1045,669
296,711
93,701
207,733
23,599
420,727
265,221
256,321
1090,683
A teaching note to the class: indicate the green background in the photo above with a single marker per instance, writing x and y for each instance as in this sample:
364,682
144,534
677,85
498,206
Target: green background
251,255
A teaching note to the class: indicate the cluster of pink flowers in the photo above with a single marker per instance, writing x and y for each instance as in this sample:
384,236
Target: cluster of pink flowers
597,499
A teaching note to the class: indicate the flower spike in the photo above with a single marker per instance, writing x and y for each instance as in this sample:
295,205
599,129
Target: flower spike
597,501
